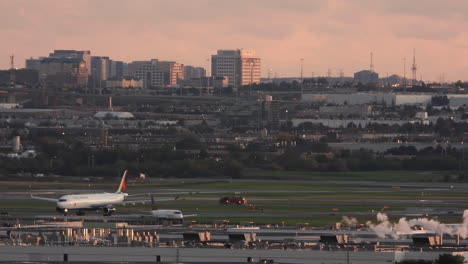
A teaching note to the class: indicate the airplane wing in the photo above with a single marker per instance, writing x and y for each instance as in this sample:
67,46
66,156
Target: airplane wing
192,215
44,199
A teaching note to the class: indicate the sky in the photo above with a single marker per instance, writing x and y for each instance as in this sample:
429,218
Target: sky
334,34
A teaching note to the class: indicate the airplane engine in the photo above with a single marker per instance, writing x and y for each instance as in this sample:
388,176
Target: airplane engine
61,210
107,211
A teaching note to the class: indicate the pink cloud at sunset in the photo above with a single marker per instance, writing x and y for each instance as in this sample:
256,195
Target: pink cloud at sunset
334,34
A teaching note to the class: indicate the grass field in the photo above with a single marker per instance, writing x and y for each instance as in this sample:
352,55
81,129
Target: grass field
405,176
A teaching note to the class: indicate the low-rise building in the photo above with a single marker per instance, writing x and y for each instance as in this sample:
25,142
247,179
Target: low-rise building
366,77
124,82
369,98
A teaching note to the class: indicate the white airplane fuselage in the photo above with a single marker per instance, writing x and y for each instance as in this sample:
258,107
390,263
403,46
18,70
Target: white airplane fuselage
89,201
167,214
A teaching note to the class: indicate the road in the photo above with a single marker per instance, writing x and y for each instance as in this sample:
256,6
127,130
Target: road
127,254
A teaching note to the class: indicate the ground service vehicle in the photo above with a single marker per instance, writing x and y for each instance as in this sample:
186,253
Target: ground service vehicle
238,200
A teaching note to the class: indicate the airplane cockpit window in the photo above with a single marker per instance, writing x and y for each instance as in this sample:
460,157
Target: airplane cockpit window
177,212
62,200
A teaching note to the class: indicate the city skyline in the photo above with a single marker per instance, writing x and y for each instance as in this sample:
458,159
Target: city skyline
326,34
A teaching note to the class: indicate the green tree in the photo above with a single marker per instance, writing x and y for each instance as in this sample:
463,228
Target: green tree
412,261
190,142
449,259
232,168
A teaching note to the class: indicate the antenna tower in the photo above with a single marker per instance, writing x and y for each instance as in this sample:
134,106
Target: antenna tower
371,62
414,67
404,74
12,71
302,76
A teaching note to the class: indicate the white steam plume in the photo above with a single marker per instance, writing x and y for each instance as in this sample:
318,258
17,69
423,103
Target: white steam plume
350,221
385,228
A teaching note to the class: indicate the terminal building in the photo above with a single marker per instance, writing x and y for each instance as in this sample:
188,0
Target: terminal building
388,99
376,98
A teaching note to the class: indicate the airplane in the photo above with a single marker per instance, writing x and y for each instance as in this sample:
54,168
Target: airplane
167,214
95,201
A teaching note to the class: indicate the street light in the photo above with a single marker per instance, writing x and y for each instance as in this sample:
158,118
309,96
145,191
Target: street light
51,162
91,161
251,77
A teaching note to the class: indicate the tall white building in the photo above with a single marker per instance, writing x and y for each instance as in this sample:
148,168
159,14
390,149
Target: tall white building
250,68
172,72
176,73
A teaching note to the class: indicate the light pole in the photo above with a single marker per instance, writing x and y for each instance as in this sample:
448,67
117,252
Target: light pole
51,162
462,158
251,77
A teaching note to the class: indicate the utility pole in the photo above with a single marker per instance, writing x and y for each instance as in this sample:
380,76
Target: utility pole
12,71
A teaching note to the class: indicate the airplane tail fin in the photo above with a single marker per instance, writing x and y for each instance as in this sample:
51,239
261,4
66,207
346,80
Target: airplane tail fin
123,183
153,203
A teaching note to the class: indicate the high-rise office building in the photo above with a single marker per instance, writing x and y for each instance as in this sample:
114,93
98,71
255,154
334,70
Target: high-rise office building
176,73
148,72
172,71
63,72
191,72
227,63
33,64
117,69
155,73
84,55
241,67
250,68
100,67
